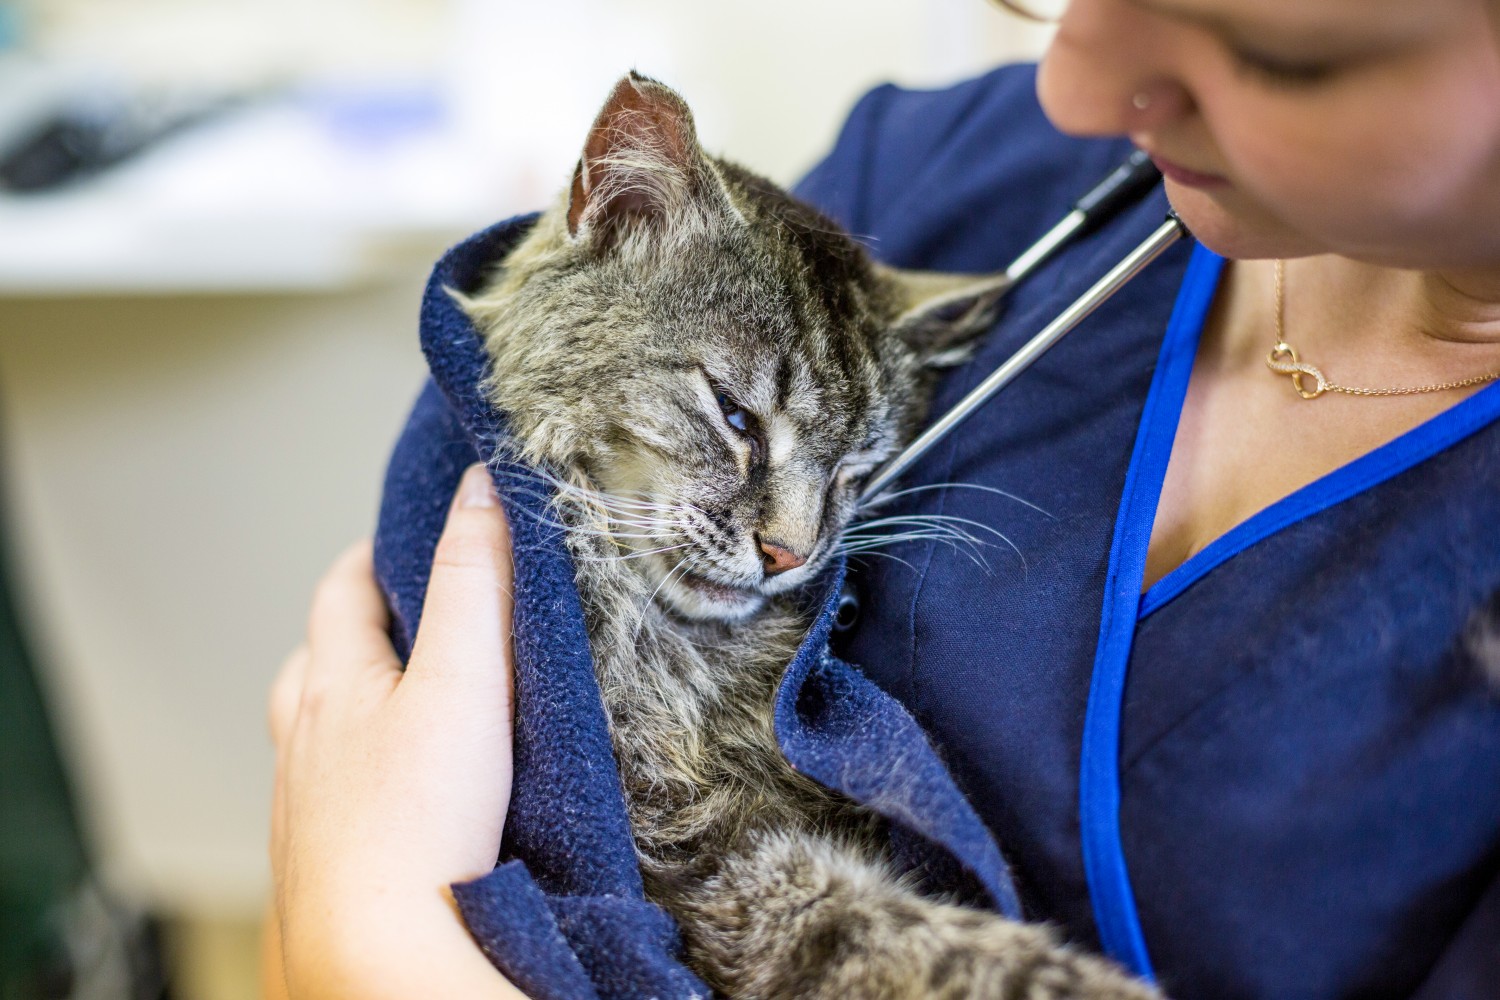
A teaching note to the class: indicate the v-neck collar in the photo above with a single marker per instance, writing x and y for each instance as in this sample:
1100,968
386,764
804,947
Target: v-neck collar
1104,866
1124,607
1436,434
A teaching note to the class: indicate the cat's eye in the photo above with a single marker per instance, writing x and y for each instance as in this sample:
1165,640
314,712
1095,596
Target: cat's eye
740,420
735,415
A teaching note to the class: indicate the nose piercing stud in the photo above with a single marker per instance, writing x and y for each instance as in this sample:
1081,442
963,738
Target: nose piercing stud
1141,101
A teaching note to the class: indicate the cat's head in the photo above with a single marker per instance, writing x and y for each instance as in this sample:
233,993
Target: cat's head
718,357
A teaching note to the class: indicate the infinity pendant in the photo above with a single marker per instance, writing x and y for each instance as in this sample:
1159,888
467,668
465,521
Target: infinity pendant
1283,361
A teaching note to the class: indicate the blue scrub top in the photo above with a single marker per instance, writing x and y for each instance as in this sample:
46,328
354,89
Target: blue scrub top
1277,773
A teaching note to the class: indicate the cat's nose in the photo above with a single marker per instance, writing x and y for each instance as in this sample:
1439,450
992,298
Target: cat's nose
778,558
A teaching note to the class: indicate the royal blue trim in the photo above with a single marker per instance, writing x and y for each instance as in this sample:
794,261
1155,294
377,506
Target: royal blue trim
1417,445
1099,770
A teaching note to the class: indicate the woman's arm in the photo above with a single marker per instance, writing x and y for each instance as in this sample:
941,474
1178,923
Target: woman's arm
391,785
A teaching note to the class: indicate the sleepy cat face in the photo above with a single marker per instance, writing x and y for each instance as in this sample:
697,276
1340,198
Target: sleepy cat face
723,363
748,444
746,484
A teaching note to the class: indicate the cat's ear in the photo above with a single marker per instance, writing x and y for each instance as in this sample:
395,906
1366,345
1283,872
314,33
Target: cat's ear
639,164
939,315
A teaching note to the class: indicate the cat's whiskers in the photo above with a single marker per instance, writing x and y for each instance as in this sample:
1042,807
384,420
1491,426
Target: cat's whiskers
949,522
965,545
889,538
625,506
651,600
884,555
926,531
933,520
634,554
583,529
600,532
601,515
957,540
939,528
887,496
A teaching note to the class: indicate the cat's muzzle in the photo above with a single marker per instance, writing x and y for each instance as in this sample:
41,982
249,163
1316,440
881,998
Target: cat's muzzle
701,599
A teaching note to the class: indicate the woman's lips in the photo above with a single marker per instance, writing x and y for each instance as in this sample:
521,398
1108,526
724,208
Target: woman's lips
1188,178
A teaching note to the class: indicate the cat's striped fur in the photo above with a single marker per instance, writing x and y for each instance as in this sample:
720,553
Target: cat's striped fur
709,369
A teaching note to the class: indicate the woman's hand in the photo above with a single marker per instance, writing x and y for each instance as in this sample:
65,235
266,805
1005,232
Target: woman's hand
391,786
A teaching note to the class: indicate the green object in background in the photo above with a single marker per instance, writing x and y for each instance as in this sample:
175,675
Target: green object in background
42,859
61,936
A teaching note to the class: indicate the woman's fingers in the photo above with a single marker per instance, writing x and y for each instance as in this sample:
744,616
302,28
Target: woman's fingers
390,787
286,695
346,629
272,973
285,704
467,612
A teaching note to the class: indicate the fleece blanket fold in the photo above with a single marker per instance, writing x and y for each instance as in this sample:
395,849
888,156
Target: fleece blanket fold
564,915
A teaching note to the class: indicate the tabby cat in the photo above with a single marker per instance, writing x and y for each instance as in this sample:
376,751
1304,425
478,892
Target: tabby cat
709,369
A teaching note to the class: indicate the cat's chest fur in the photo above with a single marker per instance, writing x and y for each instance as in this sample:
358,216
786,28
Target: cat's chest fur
691,713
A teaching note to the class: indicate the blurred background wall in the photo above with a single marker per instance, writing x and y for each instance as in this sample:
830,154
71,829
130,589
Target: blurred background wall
207,349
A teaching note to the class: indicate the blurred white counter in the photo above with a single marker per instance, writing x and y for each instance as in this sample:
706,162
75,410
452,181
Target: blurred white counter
313,195
204,360
206,354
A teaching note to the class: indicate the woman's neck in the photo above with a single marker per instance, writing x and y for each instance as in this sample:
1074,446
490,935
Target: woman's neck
1459,306
1373,326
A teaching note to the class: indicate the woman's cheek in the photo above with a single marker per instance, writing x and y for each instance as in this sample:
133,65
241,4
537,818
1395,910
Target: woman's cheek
1279,171
1401,149
1335,168
1451,141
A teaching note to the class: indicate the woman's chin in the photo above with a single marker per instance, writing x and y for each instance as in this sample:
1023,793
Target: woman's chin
1231,226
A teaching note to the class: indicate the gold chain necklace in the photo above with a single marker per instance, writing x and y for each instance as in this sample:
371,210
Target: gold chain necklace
1283,360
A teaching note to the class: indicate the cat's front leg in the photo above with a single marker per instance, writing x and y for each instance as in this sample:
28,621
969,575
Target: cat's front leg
797,915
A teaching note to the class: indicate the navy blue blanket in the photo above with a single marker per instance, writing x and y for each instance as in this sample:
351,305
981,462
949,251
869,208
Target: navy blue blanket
564,914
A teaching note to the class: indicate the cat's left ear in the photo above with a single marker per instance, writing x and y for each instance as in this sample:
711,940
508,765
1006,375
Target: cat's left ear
641,163
939,315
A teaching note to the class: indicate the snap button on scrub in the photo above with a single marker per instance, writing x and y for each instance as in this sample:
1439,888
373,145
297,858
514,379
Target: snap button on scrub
847,612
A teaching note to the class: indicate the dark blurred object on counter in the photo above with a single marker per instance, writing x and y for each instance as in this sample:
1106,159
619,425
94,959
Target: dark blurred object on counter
85,136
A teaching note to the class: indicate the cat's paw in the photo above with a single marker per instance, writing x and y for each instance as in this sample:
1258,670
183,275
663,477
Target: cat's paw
802,916
969,955
1056,972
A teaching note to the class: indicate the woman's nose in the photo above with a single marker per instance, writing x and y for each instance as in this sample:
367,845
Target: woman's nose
1109,71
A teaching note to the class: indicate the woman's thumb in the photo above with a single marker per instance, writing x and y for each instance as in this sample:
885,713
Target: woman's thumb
466,617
